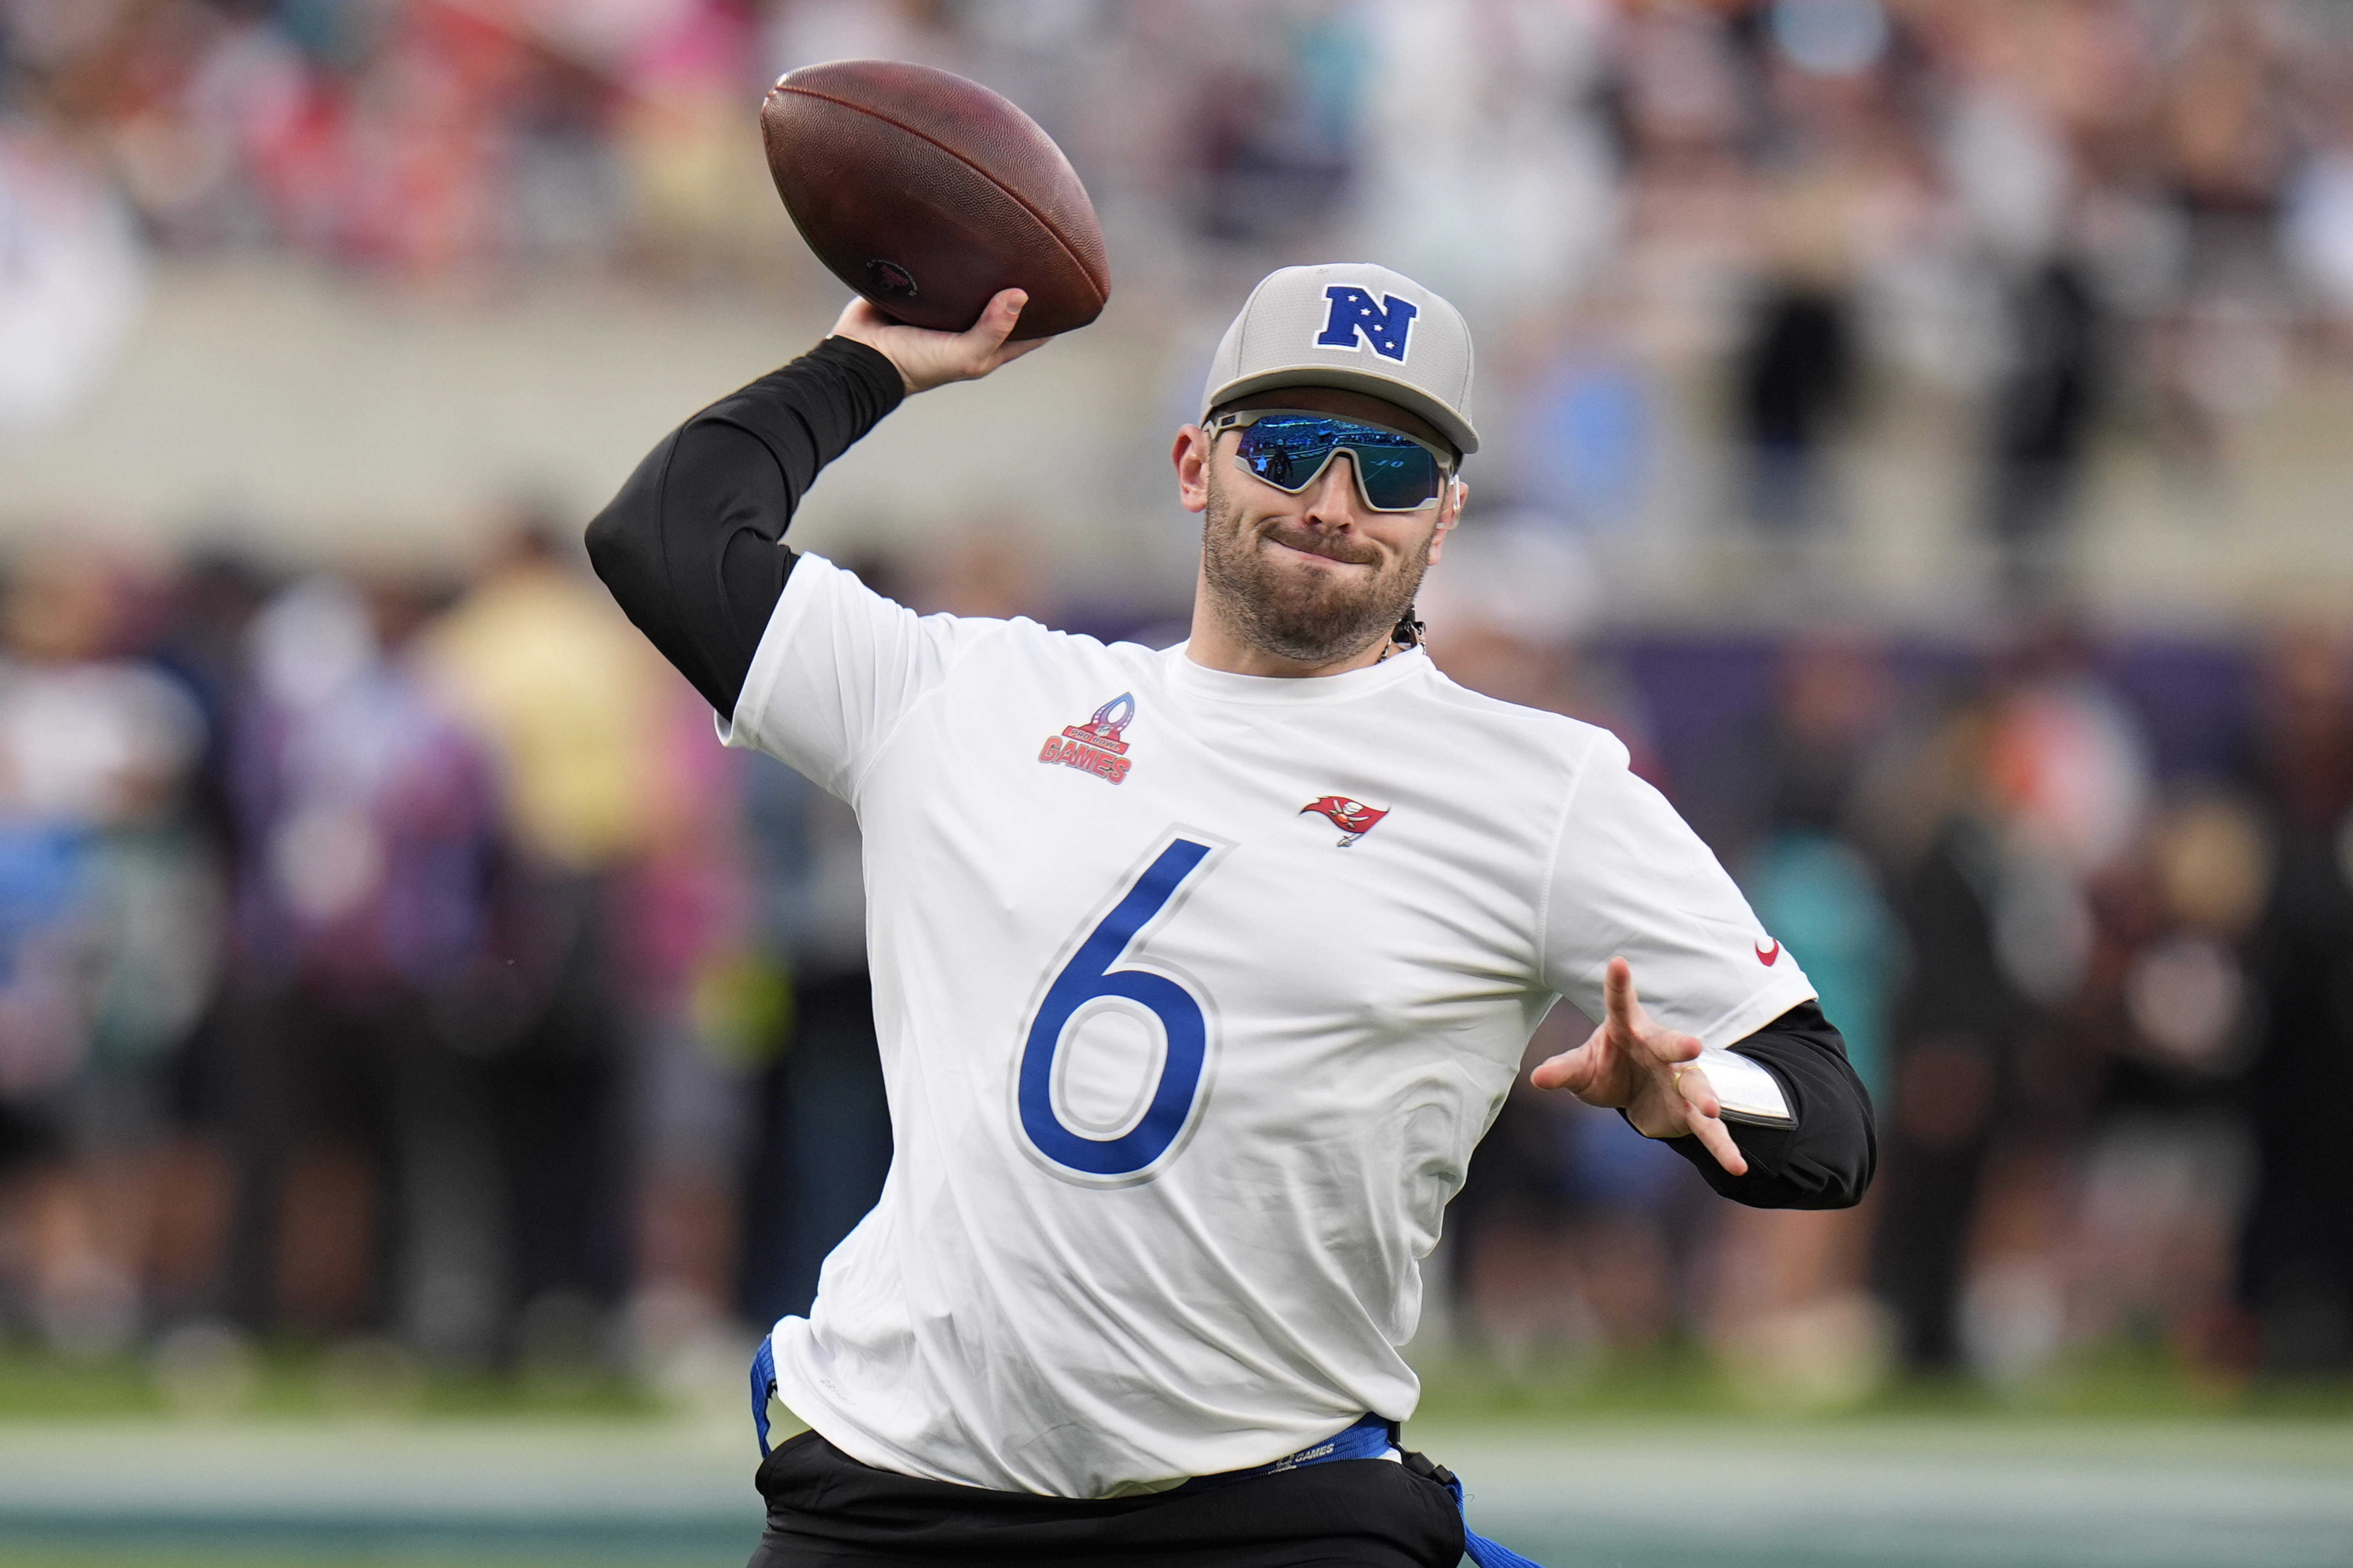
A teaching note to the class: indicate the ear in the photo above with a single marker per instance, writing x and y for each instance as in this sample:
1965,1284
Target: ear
1191,456
1450,512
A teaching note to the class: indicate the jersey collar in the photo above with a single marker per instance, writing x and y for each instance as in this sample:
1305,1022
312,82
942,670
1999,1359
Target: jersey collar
1225,686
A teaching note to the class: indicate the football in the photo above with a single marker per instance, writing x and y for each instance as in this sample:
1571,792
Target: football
928,194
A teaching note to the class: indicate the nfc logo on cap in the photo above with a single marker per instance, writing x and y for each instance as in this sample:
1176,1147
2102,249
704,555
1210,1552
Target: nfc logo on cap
1385,325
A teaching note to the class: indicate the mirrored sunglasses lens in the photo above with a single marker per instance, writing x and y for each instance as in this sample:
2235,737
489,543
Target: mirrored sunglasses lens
1286,453
1395,478
1396,474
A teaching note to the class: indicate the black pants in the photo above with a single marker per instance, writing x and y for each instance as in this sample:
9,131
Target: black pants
827,1510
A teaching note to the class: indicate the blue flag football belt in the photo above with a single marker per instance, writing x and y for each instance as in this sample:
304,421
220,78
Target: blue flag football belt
1369,1438
763,1388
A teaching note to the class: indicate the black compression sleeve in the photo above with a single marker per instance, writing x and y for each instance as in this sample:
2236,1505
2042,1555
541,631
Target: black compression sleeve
1824,1162
693,545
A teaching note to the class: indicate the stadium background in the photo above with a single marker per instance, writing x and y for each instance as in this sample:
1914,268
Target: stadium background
1918,426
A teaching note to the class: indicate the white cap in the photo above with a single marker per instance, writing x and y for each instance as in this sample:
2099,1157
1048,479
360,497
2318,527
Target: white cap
1353,325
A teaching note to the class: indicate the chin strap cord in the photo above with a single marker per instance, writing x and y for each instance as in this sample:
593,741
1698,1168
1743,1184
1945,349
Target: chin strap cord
1407,633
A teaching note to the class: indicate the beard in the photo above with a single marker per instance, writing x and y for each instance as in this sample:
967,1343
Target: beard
1306,617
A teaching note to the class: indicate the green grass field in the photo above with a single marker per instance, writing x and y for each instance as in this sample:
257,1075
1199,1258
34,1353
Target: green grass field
1647,1464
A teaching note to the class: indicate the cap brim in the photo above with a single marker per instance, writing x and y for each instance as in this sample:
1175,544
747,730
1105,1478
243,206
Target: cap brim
1405,394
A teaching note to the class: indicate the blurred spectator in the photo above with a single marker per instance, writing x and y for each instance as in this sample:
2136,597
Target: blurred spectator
2005,821
1273,123
569,703
1589,429
2317,228
2296,1262
2072,780
1685,99
200,642
2227,143
369,1192
1793,377
2039,418
1790,1320
2165,1157
108,911
1812,887
704,1006
806,32
823,1141
1503,120
1956,1025
680,116
72,283
2074,785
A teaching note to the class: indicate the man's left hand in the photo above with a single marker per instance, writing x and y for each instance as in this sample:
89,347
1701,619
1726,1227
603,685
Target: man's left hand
1634,1063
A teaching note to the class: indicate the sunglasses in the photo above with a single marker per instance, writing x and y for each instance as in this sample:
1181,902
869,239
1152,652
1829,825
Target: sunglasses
1288,448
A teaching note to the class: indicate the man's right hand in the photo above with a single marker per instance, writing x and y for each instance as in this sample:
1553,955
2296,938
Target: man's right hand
927,359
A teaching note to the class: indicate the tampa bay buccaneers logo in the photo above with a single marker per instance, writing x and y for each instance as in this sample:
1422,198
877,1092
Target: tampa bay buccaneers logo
1354,819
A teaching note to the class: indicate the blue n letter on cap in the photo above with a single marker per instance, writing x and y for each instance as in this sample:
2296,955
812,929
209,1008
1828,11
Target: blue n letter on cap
1384,325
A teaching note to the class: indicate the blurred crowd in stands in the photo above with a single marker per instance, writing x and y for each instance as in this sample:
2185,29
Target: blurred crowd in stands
2079,909
403,960
377,958
2058,213
407,962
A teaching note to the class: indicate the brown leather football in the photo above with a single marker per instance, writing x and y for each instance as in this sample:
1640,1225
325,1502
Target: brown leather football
928,194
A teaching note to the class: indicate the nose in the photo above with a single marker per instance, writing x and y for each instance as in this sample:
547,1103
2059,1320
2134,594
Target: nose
1332,497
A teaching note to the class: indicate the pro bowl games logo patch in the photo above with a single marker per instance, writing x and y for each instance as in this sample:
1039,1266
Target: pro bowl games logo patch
1094,747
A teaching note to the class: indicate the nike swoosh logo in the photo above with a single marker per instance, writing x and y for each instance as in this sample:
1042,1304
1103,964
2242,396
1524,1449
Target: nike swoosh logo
1768,956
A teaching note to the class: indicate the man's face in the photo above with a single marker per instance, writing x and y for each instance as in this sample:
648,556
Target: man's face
1317,577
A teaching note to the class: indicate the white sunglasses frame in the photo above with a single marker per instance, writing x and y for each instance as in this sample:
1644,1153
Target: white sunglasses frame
1241,419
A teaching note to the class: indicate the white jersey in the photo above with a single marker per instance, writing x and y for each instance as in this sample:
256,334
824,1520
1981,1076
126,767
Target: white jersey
1194,990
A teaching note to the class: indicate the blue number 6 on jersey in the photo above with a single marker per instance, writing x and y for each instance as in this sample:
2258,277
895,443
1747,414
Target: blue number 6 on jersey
1090,975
